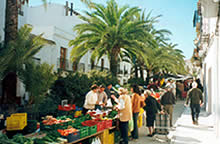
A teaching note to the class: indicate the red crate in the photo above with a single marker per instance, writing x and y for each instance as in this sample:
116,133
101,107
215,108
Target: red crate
100,126
67,108
108,123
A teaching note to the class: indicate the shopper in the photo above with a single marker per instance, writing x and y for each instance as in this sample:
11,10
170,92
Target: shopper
125,112
196,101
167,101
102,97
152,108
91,99
136,105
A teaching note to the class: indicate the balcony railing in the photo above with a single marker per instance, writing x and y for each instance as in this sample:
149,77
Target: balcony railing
205,38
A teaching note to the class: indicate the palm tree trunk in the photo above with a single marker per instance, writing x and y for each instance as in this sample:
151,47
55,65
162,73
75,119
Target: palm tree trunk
11,20
148,76
11,29
75,66
92,64
142,73
114,60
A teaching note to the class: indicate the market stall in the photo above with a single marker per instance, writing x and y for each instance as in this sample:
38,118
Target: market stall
70,128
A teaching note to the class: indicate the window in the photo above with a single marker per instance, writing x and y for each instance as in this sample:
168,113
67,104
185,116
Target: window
63,61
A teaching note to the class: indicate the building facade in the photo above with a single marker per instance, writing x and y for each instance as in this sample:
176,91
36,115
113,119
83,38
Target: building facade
206,55
56,22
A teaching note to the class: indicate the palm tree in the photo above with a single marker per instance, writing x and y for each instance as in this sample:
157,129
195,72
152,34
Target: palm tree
11,18
15,55
21,50
109,31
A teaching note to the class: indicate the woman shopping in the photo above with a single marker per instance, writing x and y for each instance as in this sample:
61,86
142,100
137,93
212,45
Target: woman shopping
125,112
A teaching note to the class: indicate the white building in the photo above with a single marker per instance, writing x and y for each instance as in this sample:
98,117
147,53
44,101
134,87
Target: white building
208,43
57,26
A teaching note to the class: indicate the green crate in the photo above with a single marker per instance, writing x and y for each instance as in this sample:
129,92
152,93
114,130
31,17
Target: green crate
76,125
84,131
80,120
92,129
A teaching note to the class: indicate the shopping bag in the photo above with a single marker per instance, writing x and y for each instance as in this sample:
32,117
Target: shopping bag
130,125
96,141
140,118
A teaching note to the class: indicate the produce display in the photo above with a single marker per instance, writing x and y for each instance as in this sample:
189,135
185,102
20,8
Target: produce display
63,129
66,132
50,120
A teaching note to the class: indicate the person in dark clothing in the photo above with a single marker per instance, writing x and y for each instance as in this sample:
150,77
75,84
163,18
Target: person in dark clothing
196,101
151,108
167,101
109,91
153,86
199,85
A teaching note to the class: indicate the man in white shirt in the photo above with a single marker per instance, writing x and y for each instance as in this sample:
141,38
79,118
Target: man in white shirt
91,99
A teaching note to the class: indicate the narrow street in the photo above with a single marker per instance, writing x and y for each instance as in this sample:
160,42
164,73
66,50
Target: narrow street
143,131
185,132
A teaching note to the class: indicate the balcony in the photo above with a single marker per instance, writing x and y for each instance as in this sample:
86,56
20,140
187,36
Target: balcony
205,38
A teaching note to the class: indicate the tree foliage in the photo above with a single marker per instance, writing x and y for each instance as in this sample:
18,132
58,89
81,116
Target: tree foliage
37,79
109,30
17,53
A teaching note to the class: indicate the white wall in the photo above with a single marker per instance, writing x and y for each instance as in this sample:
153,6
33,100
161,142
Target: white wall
212,62
2,19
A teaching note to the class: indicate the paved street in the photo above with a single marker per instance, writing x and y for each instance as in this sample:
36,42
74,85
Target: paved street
178,109
187,133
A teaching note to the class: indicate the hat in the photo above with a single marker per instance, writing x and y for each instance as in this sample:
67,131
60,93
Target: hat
102,86
94,86
148,92
122,91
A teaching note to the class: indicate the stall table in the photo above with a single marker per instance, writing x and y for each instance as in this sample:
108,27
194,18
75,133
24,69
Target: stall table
101,134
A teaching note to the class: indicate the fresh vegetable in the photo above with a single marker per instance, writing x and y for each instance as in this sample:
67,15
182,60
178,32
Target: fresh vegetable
22,140
66,132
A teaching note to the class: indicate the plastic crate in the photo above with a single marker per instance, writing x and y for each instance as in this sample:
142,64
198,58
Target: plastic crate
84,131
80,120
73,137
108,123
66,108
92,129
100,126
16,121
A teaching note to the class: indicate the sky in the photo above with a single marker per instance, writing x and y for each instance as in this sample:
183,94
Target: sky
177,17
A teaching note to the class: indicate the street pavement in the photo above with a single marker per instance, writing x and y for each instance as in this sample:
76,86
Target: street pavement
187,133
184,132
143,131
